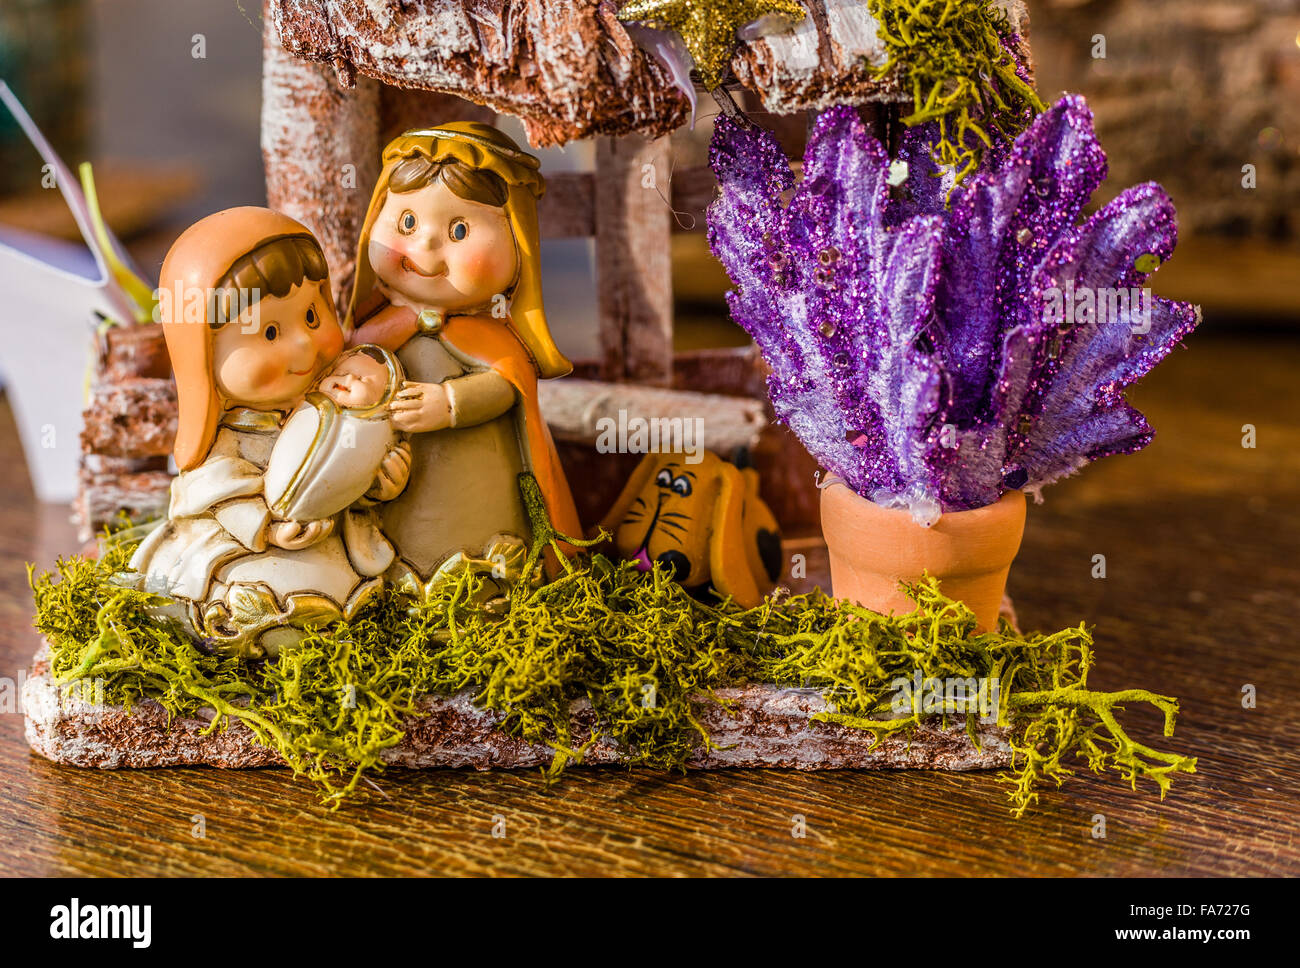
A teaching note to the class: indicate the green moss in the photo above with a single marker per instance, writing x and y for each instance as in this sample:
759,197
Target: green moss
951,60
634,645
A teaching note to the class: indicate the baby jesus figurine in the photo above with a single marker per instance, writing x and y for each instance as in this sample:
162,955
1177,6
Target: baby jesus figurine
340,445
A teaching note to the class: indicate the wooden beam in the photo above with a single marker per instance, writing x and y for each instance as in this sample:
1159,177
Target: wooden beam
633,259
693,190
566,69
568,208
576,410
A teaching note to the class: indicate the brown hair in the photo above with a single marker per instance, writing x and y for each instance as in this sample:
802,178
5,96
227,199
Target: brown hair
275,267
472,184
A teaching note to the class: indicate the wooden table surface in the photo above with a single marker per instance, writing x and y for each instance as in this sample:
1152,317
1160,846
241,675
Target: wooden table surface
1201,538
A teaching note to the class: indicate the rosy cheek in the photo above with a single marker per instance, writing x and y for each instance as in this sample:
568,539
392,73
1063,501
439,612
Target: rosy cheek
481,264
329,341
503,259
386,259
269,369
252,372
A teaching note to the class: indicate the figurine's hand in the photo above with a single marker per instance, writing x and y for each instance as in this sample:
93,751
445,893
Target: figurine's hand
296,535
421,407
393,474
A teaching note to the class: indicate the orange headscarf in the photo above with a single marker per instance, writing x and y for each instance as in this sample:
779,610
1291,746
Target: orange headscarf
483,147
196,262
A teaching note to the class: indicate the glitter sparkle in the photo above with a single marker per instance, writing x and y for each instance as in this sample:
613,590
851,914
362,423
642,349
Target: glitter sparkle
921,363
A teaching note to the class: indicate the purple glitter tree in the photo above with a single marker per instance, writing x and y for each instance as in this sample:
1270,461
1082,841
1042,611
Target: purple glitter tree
935,346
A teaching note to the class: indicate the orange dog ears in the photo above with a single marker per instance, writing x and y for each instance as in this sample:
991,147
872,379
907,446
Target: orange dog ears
762,533
705,519
729,559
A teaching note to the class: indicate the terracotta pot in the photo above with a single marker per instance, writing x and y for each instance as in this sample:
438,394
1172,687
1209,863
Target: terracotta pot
873,548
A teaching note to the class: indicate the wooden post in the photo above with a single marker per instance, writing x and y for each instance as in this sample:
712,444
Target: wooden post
634,259
320,147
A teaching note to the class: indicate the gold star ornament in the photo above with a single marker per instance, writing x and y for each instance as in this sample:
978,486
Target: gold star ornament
708,27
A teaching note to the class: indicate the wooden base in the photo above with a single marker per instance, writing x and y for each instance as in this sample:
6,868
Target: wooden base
765,727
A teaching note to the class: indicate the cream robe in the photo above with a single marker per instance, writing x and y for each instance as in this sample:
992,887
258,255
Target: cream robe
215,535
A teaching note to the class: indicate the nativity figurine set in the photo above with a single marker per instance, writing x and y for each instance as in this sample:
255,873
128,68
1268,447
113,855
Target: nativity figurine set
310,474
383,478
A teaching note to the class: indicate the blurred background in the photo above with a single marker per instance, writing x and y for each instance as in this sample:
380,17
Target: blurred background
1189,92
173,128
1186,92
172,136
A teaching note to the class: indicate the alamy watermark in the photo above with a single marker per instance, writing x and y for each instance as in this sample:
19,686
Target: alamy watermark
953,695
651,435
75,921
195,304
1086,305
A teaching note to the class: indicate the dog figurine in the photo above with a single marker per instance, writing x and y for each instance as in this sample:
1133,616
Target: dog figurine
705,521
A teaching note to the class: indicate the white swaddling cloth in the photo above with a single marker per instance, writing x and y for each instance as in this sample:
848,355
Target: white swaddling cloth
328,453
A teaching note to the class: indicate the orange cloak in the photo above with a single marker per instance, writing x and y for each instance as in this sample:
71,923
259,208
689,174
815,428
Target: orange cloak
494,343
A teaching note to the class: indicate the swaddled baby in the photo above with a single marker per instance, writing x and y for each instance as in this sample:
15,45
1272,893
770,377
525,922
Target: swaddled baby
359,380
333,446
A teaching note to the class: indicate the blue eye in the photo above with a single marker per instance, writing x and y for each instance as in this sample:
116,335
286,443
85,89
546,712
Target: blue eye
406,222
458,230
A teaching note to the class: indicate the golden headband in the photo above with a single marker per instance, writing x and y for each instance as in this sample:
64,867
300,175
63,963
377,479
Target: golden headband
487,144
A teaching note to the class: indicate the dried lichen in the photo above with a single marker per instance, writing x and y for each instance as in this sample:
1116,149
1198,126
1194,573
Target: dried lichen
856,656
951,59
636,646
